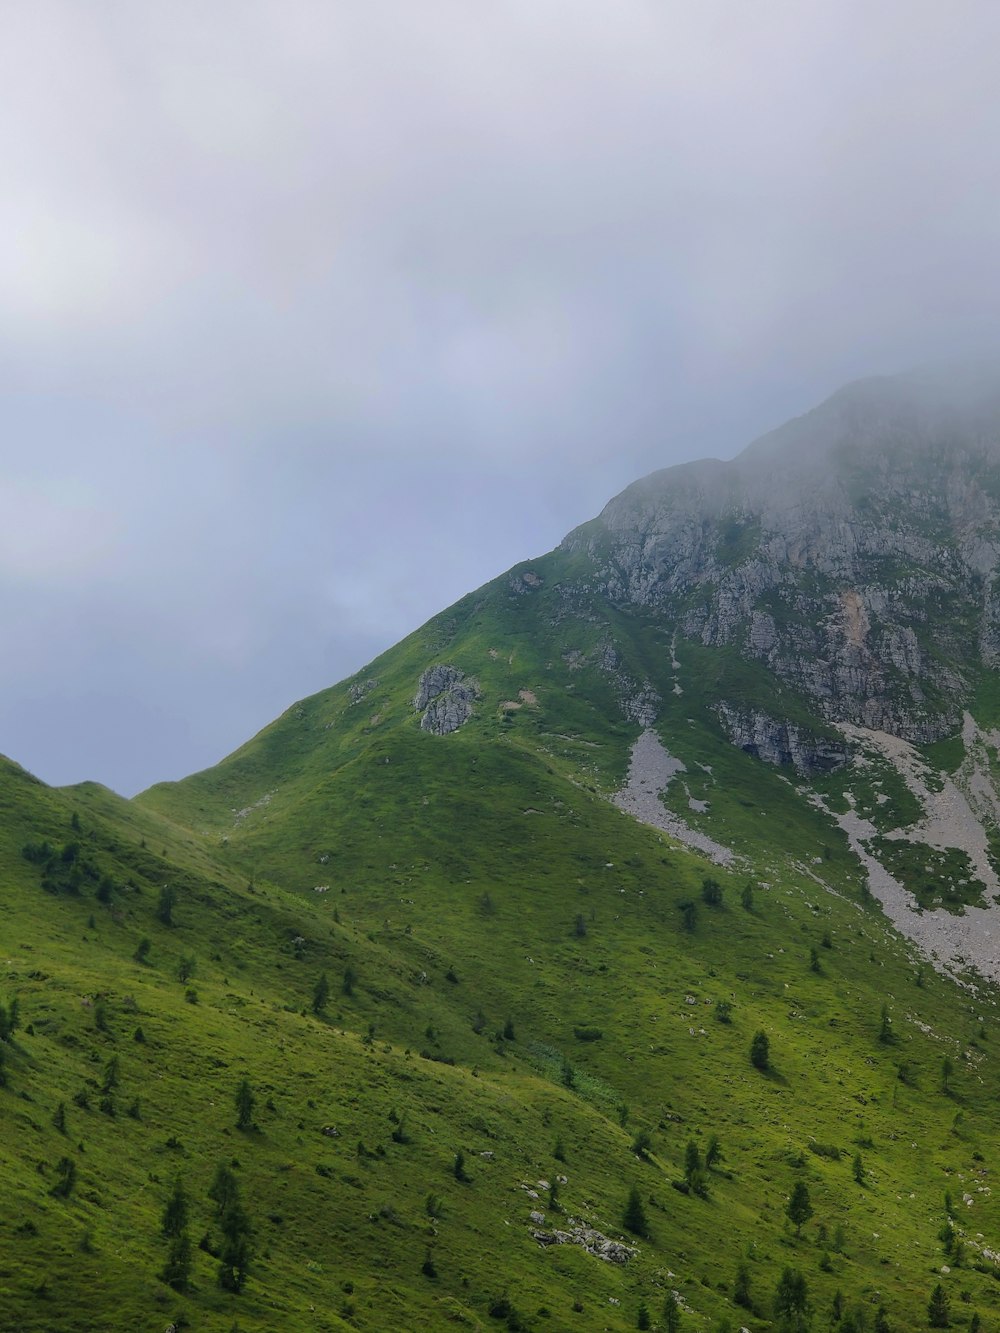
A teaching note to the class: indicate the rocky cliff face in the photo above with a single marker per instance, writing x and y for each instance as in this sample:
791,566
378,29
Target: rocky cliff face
855,552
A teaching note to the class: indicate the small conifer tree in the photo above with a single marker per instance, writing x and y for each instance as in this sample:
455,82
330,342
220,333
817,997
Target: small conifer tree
223,1188
321,994
634,1218
741,1287
711,892
799,1208
175,1211
66,1169
885,1033
671,1314
244,1105
760,1052
791,1295
938,1313
692,1164
176,1271
165,906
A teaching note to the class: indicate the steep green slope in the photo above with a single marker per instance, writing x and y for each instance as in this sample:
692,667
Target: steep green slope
491,856
434,959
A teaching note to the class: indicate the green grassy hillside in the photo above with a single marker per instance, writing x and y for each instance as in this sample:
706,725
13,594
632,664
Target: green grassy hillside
524,987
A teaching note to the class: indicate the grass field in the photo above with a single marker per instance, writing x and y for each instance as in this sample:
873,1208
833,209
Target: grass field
517,994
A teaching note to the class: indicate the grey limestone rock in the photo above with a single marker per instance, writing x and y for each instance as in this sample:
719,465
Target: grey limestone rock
589,1239
854,553
779,742
446,696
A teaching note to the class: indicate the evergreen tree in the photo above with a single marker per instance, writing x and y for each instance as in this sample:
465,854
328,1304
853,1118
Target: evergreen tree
746,897
176,1272
244,1106
885,1034
634,1218
671,1314
235,1250
234,1256
791,1295
760,1052
689,914
59,1118
321,994
858,1169
350,980
694,1172
223,1188
458,1170
713,1153
937,1308
642,1319
175,1212
711,892
799,1208
9,1018
63,1187
165,906
741,1287
882,1324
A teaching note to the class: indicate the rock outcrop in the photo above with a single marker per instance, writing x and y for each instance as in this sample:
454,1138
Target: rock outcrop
446,697
781,742
589,1239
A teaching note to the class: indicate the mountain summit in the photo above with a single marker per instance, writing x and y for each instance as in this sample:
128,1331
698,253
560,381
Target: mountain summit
854,552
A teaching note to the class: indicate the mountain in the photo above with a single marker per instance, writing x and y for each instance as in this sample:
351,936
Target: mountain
621,944
853,552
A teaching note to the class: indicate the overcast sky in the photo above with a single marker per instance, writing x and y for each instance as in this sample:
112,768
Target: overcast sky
314,316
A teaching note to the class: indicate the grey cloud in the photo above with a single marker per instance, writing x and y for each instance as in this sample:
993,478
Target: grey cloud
313,316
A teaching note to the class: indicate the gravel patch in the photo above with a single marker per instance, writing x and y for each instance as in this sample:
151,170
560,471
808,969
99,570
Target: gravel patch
651,769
